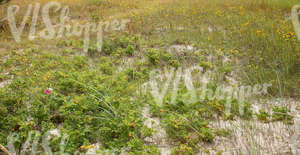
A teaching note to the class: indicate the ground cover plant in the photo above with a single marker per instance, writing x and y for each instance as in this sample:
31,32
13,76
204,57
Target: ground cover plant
98,97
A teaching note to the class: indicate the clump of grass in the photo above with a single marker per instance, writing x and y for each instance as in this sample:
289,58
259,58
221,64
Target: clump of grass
89,108
281,114
188,123
223,132
183,149
121,45
263,115
159,57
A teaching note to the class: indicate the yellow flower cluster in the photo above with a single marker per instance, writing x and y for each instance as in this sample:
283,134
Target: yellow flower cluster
288,36
234,52
245,24
253,66
83,147
220,52
219,13
260,33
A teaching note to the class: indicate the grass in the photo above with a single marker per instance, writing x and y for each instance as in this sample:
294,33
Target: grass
95,101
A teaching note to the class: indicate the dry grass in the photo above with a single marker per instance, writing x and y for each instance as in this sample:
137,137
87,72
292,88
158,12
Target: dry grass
249,26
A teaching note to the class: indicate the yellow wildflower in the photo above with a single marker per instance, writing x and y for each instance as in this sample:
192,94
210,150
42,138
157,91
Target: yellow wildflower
89,147
245,24
258,32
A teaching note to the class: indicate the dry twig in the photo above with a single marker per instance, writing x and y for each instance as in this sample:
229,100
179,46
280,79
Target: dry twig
2,148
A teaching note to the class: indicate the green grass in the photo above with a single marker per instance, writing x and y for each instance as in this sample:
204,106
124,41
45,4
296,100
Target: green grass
94,102
84,100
